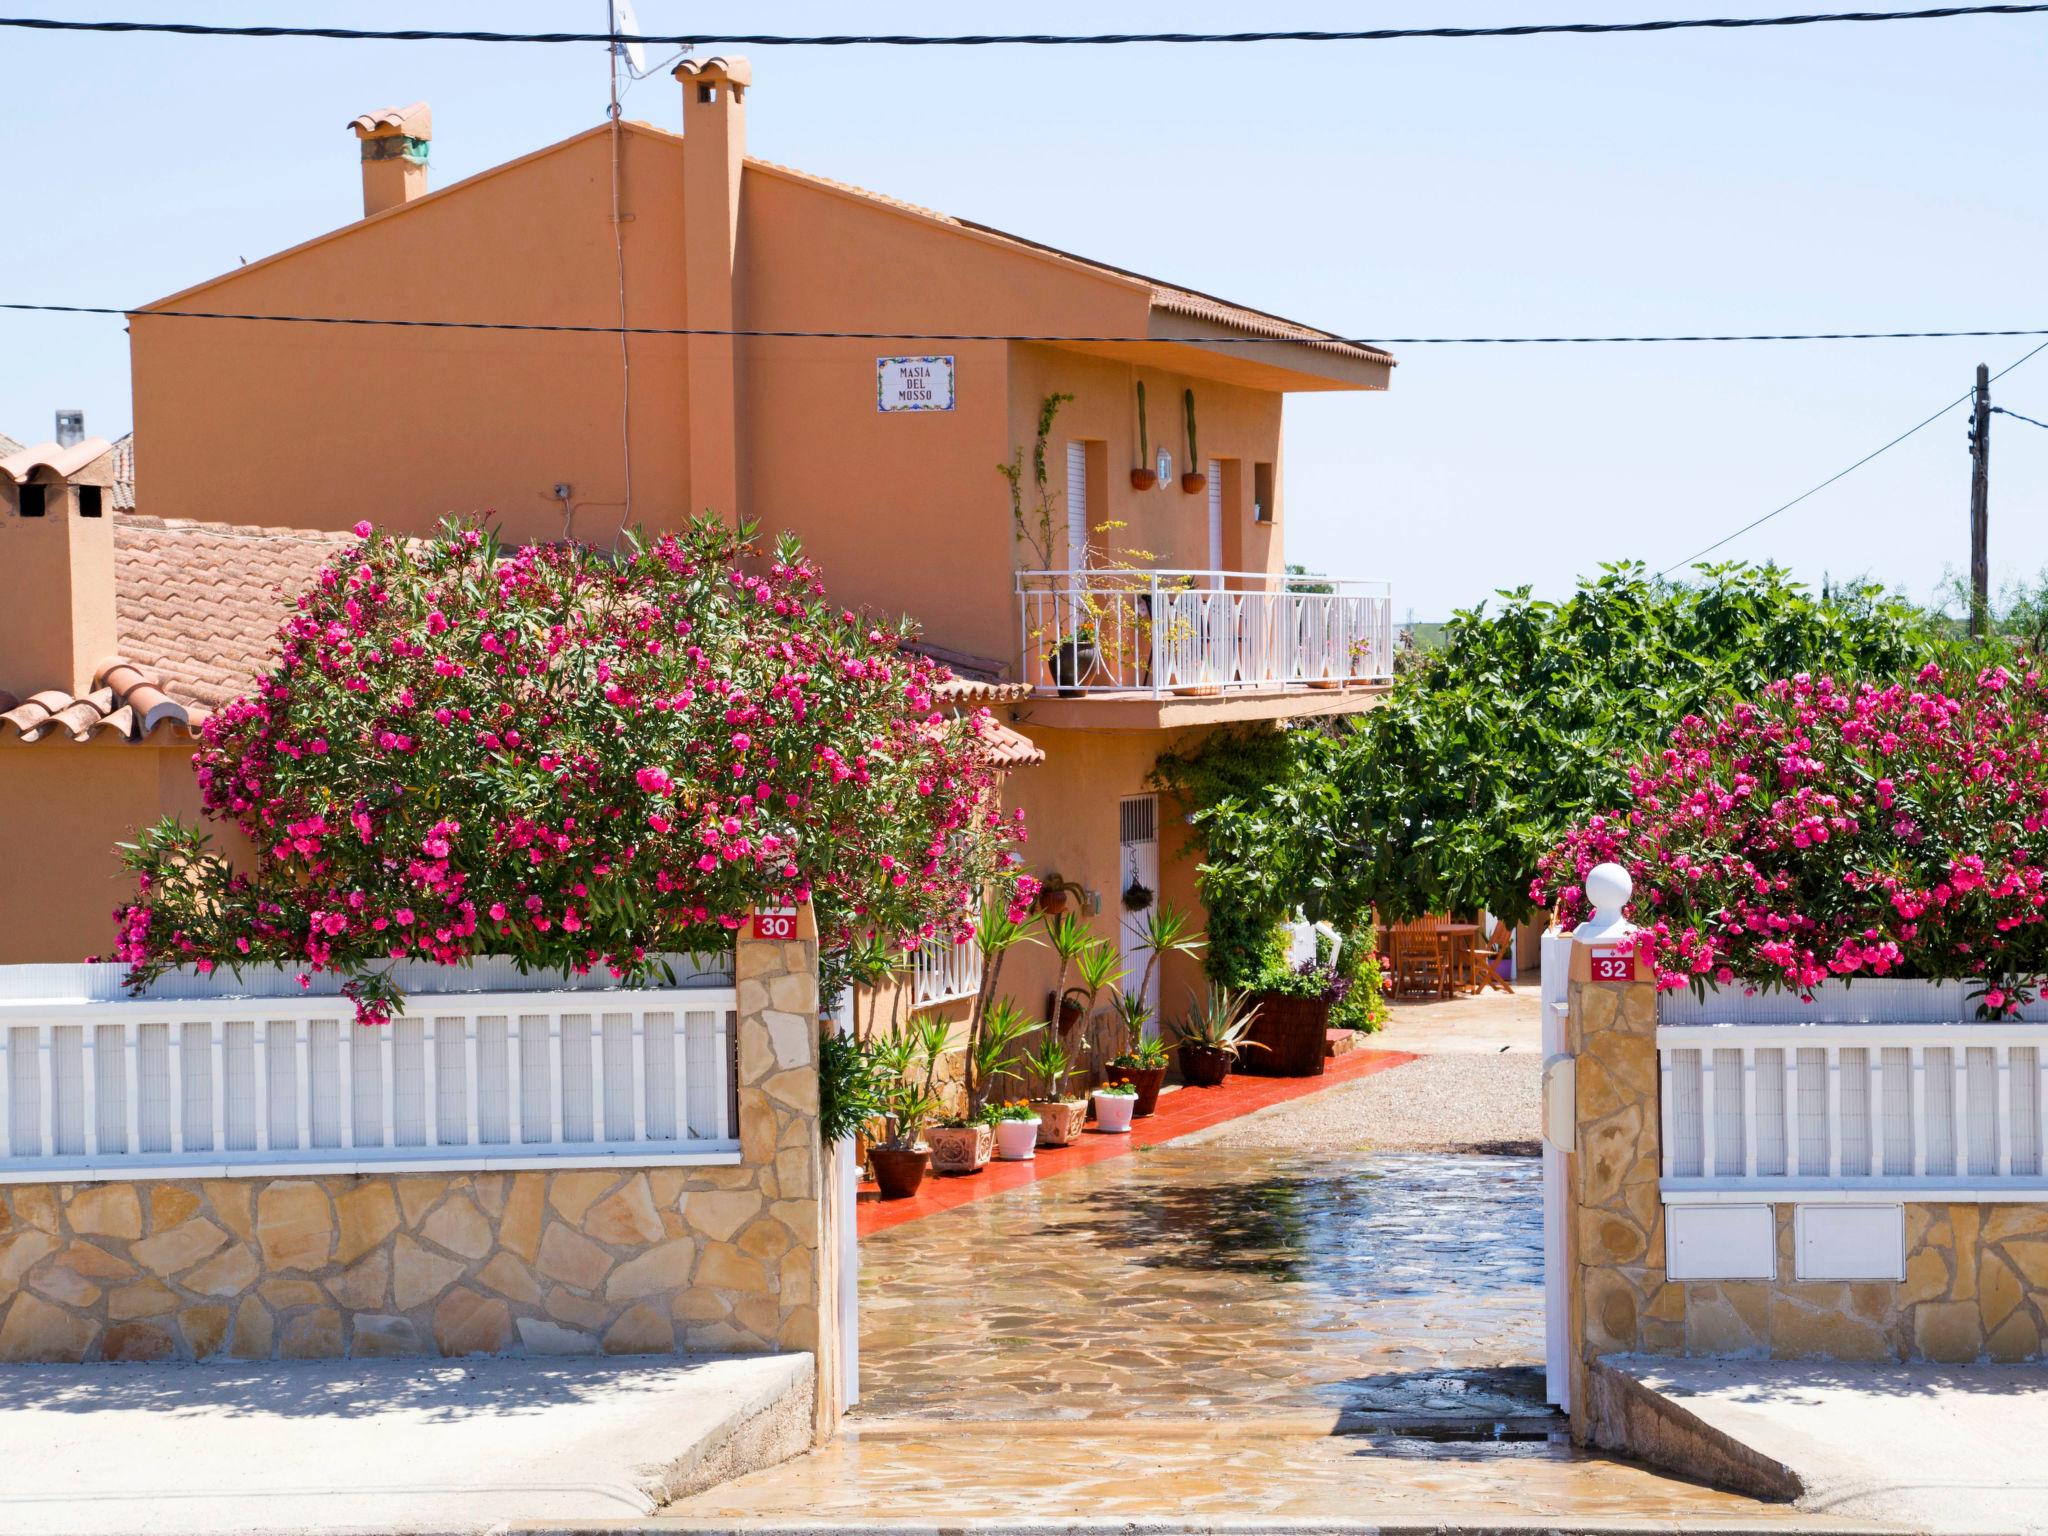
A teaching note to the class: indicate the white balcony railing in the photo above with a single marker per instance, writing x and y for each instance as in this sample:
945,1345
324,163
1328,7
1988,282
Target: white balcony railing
1818,1112
191,1086
1200,632
945,972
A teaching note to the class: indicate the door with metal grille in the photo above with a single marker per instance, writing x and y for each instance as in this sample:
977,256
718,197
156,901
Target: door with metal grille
1138,877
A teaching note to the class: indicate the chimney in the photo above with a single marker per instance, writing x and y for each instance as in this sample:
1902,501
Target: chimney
57,547
395,142
714,148
70,428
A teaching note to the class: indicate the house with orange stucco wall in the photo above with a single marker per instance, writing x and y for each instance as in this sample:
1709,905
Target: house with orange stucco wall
636,325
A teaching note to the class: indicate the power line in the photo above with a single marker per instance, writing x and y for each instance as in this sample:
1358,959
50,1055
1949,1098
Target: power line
768,333
1838,474
1999,410
993,39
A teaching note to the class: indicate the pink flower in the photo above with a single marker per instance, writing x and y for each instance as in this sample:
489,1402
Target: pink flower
363,529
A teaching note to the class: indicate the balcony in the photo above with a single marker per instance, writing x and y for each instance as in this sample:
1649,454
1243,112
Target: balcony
1152,635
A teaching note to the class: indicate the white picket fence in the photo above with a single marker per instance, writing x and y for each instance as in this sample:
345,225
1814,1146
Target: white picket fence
211,1085
1946,1111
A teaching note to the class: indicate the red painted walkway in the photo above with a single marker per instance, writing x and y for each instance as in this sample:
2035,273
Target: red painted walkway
1181,1111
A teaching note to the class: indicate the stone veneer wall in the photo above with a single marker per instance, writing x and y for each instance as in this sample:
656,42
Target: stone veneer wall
1976,1283
619,1260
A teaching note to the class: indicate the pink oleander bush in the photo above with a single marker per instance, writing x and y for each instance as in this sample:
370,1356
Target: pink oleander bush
576,759
1828,831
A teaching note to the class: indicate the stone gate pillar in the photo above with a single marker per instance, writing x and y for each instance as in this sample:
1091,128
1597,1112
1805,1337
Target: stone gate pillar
1619,1300
775,976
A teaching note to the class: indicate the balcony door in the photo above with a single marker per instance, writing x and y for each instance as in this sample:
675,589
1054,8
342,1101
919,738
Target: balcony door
1138,865
1077,505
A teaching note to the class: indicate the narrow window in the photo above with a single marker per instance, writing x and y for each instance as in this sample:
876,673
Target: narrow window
1262,493
88,501
32,499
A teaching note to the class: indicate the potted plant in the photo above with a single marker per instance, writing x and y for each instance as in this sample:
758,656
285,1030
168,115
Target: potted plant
1114,1105
1143,479
1137,896
1192,481
908,1065
1016,1127
1292,1027
900,1162
992,1051
1142,1064
962,1144
1073,659
1060,1118
1213,1035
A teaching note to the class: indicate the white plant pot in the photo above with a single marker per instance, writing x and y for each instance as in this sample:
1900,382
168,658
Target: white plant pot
1016,1140
1113,1112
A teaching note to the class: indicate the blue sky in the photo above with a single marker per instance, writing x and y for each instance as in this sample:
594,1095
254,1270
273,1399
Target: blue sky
1841,177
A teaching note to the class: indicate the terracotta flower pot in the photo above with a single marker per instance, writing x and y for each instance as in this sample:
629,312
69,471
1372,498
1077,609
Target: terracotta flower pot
1143,479
899,1170
1194,484
1203,1066
1016,1140
1113,1113
961,1148
1147,1080
1059,1120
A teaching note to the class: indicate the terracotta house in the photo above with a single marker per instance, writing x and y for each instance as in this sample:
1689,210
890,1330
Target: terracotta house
649,302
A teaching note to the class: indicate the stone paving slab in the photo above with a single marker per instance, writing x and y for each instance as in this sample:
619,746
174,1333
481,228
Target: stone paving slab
1938,1447
1189,1282
413,1447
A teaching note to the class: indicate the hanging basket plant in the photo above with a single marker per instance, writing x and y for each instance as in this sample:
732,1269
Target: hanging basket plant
1142,478
1137,897
1191,481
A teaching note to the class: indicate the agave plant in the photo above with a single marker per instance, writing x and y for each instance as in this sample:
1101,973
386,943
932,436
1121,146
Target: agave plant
1219,1022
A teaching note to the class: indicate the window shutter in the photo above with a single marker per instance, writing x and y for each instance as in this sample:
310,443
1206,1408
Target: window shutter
1077,505
1216,518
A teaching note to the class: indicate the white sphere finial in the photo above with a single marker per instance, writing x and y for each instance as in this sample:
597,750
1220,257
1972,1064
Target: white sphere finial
1608,888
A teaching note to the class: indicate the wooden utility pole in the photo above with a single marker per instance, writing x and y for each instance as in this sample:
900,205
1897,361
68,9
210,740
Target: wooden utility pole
1980,506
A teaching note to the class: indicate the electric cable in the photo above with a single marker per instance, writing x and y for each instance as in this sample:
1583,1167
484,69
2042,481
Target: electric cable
1838,474
1316,339
1999,410
1021,39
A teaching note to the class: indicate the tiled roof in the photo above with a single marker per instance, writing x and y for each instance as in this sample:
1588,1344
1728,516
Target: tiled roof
201,602
64,462
124,473
1008,748
8,446
975,679
129,702
415,121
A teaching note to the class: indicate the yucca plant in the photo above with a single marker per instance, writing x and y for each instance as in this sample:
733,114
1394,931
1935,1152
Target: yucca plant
1166,931
993,1051
1051,1064
1097,968
996,933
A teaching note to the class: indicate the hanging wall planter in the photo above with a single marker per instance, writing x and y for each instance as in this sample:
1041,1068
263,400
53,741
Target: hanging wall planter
1191,482
1143,479
1137,897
